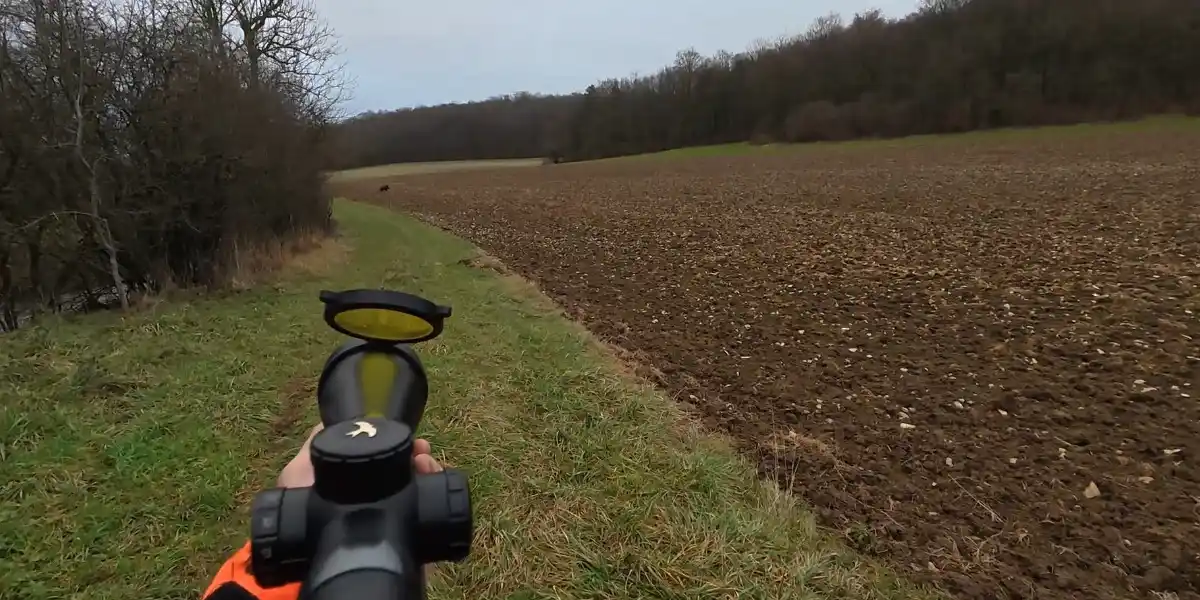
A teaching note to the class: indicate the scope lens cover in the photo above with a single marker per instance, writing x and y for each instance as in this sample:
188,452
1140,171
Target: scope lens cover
383,315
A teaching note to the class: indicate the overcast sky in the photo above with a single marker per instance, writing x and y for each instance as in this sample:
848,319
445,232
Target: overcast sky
409,53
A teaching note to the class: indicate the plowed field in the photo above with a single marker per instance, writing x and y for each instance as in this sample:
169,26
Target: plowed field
978,359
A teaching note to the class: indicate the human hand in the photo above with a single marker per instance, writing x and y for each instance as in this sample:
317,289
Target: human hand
299,472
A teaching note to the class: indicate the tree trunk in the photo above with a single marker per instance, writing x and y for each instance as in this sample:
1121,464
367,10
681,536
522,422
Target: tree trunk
103,231
8,309
33,249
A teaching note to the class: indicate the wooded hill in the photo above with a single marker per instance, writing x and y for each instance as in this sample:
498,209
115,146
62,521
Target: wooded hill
953,65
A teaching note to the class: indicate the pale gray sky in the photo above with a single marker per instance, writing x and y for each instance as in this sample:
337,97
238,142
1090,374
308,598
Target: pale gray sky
404,53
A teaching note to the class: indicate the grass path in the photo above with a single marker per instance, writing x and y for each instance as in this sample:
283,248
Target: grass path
129,447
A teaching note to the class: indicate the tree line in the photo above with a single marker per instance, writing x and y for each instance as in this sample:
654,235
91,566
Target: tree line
510,126
951,66
147,143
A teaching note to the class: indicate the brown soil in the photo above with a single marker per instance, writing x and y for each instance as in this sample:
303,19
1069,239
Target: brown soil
940,345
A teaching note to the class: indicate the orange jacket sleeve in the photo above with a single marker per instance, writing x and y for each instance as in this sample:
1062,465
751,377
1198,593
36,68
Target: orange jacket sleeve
234,582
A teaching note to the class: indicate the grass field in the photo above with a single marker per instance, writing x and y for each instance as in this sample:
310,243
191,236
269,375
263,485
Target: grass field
972,355
382,173
399,169
1017,134
132,445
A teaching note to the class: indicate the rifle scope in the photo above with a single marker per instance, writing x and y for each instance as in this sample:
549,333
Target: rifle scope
368,523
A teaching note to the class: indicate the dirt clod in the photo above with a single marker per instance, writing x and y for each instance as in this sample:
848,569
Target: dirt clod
1160,578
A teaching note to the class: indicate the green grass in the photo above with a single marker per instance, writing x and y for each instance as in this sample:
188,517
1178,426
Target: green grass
399,169
130,446
1158,123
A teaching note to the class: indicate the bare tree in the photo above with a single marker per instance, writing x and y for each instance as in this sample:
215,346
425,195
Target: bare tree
213,16
287,41
824,28
941,6
85,77
133,154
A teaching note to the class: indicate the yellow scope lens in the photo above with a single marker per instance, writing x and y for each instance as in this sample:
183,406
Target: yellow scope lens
383,324
376,374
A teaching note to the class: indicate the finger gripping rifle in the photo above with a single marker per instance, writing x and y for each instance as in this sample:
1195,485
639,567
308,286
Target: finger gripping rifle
368,523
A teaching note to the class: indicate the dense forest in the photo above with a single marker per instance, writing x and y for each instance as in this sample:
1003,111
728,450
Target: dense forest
148,143
953,65
516,126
